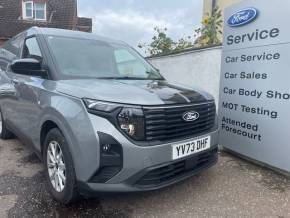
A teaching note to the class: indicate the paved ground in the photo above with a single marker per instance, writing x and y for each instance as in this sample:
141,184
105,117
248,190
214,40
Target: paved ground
234,188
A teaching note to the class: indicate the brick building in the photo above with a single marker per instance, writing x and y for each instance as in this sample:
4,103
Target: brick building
18,15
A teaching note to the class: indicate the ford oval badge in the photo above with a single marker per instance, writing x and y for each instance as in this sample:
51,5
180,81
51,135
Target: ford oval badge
243,17
190,116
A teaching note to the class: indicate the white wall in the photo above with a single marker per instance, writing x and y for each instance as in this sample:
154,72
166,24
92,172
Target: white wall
198,68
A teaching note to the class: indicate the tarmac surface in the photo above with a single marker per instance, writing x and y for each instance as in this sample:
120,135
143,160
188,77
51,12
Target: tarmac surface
233,188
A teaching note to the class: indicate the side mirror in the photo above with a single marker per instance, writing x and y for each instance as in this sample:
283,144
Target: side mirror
29,67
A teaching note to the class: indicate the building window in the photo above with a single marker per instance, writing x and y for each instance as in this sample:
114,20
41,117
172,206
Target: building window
34,11
39,11
28,10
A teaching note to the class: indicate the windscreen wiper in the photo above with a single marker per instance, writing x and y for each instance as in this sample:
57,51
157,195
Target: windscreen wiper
151,73
125,78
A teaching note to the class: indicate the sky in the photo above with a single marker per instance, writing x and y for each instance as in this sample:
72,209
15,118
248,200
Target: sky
133,21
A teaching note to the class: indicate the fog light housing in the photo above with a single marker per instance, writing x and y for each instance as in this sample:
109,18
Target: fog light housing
111,159
106,147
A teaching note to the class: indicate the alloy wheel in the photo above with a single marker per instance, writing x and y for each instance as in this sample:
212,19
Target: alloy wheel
56,166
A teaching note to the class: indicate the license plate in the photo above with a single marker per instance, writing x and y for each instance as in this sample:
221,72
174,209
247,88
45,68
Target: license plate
189,148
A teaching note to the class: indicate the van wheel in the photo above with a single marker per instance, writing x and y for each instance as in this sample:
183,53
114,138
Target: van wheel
4,132
59,168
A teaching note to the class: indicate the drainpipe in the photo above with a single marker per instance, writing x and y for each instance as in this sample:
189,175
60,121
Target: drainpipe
75,20
213,6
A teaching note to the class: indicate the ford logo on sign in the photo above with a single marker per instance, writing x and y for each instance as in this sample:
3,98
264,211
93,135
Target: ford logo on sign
190,116
243,17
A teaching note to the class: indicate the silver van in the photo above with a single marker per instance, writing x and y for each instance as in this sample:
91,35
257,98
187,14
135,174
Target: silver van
100,117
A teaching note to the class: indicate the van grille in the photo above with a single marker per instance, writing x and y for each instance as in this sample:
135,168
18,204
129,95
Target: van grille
163,124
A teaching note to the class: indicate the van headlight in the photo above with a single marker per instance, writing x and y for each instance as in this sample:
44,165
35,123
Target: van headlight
102,106
131,121
128,119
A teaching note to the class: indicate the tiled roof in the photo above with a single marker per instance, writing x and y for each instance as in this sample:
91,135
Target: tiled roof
60,14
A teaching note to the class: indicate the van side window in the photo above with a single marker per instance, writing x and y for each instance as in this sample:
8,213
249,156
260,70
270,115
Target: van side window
13,47
3,65
31,49
3,60
10,51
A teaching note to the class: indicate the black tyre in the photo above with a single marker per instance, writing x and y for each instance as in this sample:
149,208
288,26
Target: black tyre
4,132
59,168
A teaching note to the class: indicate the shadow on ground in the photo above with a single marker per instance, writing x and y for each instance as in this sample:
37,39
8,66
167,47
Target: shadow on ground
233,188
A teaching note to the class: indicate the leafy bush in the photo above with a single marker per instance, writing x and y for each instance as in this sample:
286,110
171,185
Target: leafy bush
162,44
208,35
211,30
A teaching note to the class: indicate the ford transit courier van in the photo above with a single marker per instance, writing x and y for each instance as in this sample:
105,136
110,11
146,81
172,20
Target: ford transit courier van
100,117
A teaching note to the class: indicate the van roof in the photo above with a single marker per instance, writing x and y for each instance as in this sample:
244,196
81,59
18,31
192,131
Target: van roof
68,33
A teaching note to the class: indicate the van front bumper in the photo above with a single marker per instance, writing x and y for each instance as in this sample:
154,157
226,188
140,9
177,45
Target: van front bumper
157,177
148,167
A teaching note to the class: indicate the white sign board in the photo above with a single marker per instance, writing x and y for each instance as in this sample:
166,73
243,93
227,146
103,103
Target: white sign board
254,110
